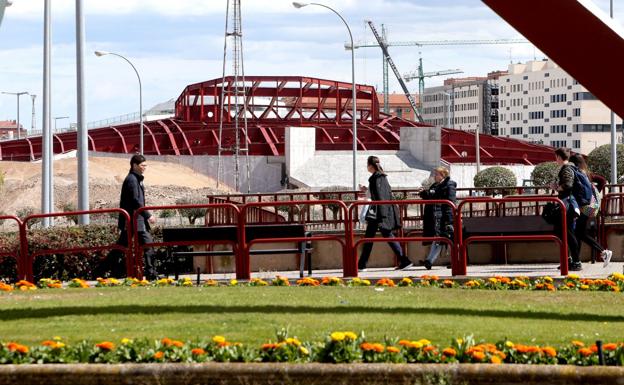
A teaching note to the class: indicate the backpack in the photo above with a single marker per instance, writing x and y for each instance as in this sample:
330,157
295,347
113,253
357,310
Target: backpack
592,209
582,188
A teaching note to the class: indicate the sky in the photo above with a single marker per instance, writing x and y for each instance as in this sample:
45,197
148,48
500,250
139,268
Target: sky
176,43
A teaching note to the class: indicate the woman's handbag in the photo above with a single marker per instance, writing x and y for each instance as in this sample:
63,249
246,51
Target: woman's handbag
551,213
371,213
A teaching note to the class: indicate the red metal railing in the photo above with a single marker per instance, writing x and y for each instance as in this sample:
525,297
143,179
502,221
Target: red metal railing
354,215
15,253
138,248
29,258
611,216
463,243
349,266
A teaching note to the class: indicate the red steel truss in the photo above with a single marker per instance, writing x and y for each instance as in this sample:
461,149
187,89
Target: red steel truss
274,103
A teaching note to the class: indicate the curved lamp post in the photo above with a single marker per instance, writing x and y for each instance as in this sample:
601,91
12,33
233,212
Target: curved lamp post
104,53
3,5
297,5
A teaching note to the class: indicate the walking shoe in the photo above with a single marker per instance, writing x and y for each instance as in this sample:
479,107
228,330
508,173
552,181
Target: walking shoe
576,266
428,265
405,264
606,257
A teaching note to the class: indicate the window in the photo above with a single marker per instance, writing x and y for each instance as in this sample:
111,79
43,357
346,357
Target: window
558,98
516,130
584,96
558,129
576,112
536,115
558,113
536,129
558,143
576,144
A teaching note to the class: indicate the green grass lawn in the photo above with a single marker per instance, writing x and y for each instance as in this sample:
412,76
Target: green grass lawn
253,314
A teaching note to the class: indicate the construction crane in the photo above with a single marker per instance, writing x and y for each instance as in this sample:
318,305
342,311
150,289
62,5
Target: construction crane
387,44
388,59
420,75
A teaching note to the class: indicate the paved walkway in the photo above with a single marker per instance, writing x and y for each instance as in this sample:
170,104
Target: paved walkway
481,271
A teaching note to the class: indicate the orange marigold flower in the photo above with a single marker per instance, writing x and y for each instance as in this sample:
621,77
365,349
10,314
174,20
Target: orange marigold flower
549,351
429,348
158,355
495,360
533,349
449,352
594,348
379,348
404,342
522,348
15,347
610,346
106,345
198,351
585,352
578,344
479,356
48,343
392,349
448,282
177,344
268,346
366,346
167,341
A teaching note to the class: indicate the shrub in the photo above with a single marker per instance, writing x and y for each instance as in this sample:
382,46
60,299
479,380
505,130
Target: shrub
331,192
69,207
496,177
599,161
545,173
193,213
167,213
26,211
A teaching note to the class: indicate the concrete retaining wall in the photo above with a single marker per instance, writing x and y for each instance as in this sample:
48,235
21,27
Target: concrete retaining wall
304,374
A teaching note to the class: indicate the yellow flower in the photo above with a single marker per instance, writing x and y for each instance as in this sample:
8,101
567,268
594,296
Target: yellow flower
573,276
584,287
548,279
303,351
126,341
337,336
60,345
416,344
459,341
509,344
350,335
233,282
492,279
366,282
425,342
56,338
218,339
293,341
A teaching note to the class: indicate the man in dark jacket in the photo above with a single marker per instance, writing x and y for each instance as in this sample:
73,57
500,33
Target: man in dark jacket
132,198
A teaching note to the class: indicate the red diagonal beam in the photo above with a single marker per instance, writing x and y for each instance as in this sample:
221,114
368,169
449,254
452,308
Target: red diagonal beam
269,141
578,36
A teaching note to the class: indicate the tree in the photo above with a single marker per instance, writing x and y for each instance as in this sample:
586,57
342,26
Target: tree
545,173
496,176
191,213
599,161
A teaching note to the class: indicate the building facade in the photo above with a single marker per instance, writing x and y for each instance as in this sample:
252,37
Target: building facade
8,130
467,104
540,103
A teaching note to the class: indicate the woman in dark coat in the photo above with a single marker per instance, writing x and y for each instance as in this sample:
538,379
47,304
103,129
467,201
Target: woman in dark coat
386,217
438,218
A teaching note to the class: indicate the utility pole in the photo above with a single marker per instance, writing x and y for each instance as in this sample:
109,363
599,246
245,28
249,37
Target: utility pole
33,123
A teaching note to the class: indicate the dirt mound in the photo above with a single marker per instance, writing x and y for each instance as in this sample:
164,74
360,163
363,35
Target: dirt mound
164,183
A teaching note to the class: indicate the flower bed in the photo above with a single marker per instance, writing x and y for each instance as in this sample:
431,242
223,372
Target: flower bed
338,347
613,283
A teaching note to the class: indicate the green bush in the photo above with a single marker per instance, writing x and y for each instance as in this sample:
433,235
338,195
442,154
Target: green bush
496,176
26,211
167,213
599,161
194,213
331,193
69,207
545,173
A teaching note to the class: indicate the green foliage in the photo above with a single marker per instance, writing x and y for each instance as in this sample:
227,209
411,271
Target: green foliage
192,213
26,211
496,176
167,213
545,173
332,193
599,161
69,207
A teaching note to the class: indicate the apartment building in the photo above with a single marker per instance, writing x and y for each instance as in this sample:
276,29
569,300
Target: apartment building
467,104
539,102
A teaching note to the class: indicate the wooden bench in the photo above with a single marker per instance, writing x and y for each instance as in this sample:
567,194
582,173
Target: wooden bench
507,225
229,234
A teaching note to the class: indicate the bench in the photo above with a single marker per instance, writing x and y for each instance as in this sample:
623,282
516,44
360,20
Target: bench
229,234
507,225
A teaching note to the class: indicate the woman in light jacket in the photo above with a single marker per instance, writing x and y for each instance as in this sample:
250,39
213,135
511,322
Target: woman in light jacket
385,218
438,218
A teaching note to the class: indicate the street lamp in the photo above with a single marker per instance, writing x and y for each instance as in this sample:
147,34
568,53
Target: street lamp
104,53
18,94
298,5
57,118
3,5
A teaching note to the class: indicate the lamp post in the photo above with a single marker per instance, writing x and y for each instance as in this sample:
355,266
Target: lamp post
297,5
3,5
17,94
614,174
477,149
104,53
57,118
